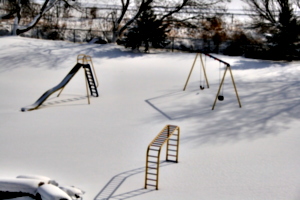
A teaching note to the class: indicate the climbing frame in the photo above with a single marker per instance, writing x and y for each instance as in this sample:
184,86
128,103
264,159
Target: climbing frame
169,135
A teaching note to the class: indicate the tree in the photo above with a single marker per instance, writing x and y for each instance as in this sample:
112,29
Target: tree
19,9
11,8
169,8
148,31
213,28
276,19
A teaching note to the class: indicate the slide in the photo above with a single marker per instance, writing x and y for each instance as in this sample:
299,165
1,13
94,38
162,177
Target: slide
62,84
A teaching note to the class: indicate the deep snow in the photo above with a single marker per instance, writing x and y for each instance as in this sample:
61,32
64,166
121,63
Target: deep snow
230,153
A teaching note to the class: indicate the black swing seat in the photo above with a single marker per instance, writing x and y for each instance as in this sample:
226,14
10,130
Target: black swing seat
220,97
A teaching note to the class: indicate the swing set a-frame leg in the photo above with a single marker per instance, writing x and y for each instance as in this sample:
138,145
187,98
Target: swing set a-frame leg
201,60
237,95
190,72
221,85
204,71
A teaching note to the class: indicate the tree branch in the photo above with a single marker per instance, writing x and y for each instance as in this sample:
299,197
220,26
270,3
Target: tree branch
48,4
8,15
178,8
143,6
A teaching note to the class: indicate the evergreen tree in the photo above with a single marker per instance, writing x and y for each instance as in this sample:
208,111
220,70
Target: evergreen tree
287,33
148,31
278,21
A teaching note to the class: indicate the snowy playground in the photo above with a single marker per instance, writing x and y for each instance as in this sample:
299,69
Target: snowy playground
229,153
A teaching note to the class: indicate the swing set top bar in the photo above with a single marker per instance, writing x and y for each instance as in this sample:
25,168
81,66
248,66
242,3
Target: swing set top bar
207,54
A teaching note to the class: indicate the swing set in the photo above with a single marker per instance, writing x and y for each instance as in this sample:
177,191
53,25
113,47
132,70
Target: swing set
219,95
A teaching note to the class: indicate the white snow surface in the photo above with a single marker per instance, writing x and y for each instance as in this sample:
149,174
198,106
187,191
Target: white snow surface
45,179
229,153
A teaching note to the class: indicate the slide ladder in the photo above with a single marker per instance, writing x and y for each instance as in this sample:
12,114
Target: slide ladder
90,80
170,134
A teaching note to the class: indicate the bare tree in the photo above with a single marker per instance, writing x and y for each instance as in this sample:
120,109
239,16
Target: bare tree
170,8
11,8
17,10
214,29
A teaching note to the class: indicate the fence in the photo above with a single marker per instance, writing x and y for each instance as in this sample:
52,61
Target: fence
86,35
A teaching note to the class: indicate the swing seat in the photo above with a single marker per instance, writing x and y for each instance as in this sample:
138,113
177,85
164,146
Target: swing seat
220,97
201,87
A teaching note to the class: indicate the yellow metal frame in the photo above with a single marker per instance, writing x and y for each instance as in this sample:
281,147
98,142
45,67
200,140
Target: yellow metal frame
85,59
157,144
221,84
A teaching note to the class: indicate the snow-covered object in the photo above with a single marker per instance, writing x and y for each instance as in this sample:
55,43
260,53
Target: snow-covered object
29,186
72,191
51,192
41,178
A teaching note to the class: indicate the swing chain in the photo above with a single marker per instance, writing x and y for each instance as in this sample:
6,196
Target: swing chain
202,82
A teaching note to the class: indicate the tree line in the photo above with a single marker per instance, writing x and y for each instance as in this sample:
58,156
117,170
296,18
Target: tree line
273,32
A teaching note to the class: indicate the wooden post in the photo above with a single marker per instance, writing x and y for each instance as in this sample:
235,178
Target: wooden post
190,72
236,93
221,85
203,67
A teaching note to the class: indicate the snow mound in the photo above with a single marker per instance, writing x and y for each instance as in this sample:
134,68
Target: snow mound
72,191
38,187
28,186
42,178
51,192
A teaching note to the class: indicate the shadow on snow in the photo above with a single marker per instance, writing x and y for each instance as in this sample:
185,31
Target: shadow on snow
109,190
49,54
246,64
267,108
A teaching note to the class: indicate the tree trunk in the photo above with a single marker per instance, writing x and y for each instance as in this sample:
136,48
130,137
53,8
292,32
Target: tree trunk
17,30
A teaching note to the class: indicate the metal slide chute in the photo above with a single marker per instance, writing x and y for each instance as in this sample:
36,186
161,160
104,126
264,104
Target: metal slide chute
90,82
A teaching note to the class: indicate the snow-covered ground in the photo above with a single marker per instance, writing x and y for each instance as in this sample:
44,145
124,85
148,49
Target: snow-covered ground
229,153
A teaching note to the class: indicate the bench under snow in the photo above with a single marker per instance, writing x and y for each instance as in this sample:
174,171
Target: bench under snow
39,187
